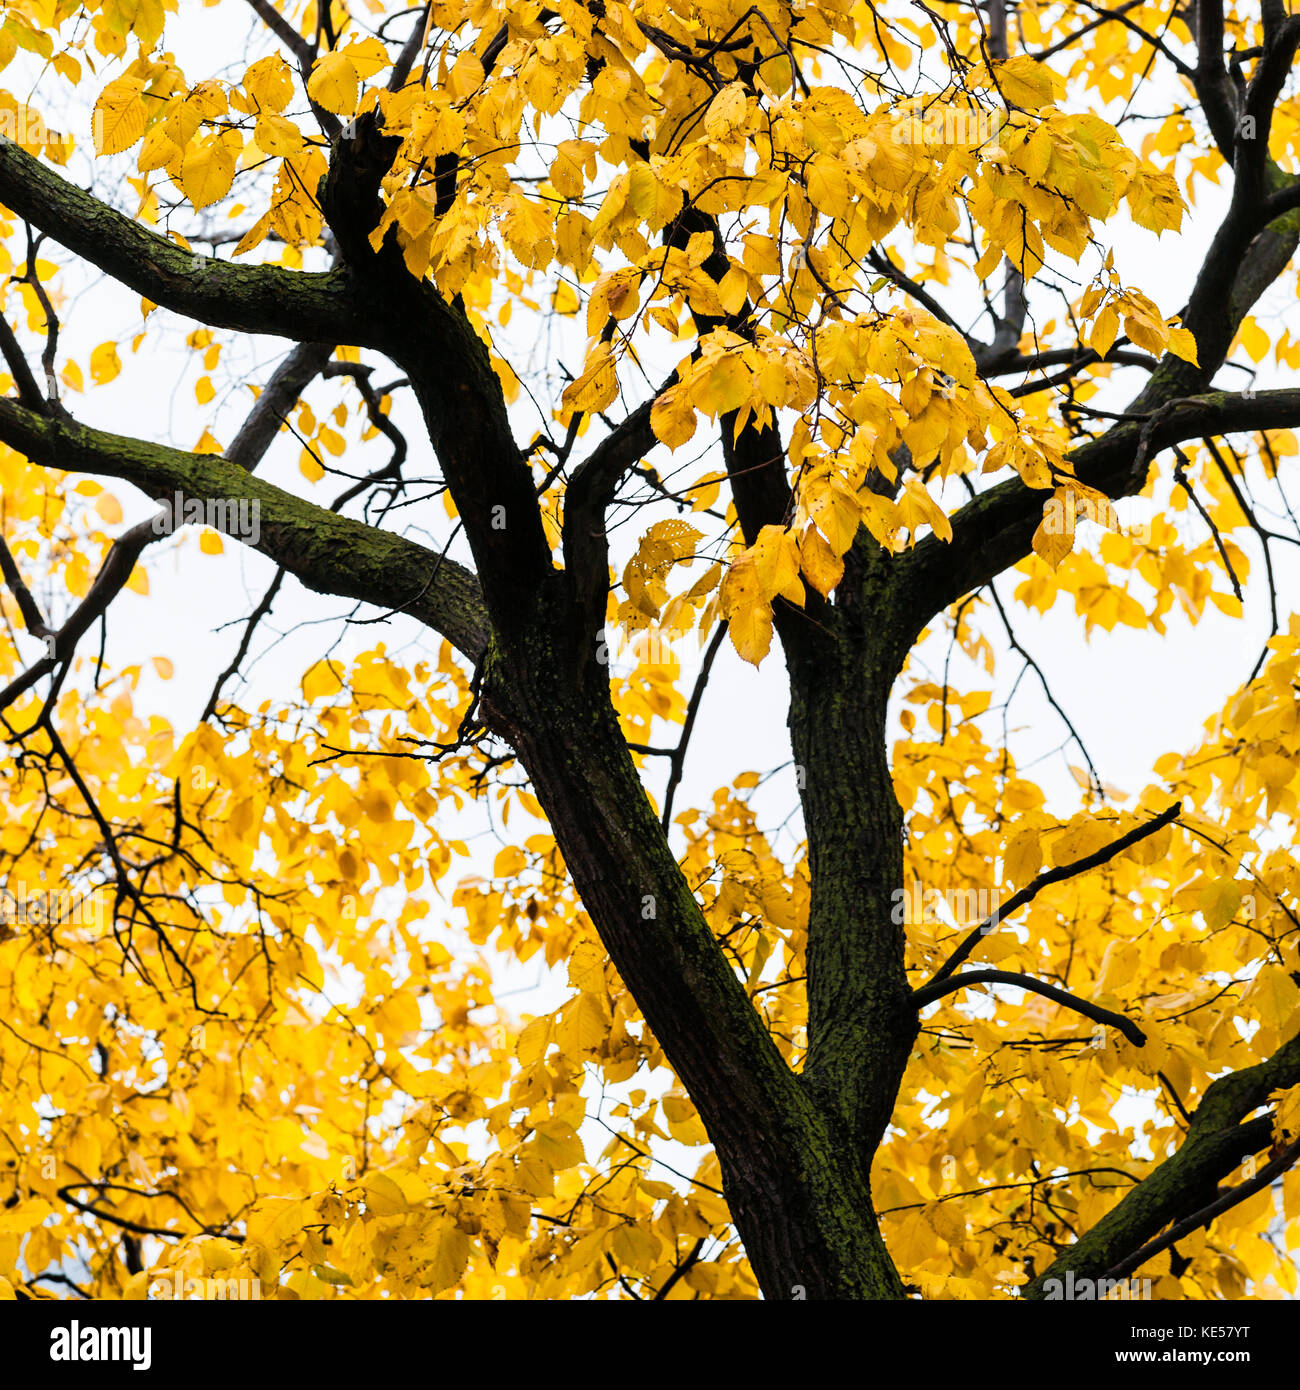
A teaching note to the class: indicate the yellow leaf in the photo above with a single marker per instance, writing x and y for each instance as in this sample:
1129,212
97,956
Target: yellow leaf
269,82
672,417
119,116
821,566
726,111
565,299
1023,857
749,615
1286,1116
1052,541
277,136
684,1123
109,508
1182,344
210,542
1219,902
776,563
917,508
558,1144
447,1258
587,968
254,236
582,1025
1104,331
105,364
466,76
204,390
333,442
724,386
597,387
836,511
321,680
208,170
1027,83
367,55
1081,840
1155,201
614,294
218,1254
335,84
533,1041
750,628
1253,338
384,1197
164,667
828,186
1148,336
1273,996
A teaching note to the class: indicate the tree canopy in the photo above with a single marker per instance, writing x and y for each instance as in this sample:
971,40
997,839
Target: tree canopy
612,339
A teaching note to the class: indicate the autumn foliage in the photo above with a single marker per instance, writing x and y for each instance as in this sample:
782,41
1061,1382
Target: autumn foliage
802,333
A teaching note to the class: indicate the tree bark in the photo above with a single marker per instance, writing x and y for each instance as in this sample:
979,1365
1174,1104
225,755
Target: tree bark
795,1179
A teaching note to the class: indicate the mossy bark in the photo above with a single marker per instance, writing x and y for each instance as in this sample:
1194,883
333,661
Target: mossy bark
794,1175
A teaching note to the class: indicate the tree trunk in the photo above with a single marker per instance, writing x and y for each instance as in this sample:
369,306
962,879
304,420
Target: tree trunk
795,1178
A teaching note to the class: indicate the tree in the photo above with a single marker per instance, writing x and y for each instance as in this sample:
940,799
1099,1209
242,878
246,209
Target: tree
234,1040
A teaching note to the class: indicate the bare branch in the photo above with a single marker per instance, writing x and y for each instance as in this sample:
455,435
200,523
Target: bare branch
937,988
1056,875
27,605
590,490
287,383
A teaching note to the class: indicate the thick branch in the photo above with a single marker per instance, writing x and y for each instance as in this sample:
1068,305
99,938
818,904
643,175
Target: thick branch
993,531
329,553
303,51
1281,39
27,605
109,582
1233,1197
451,371
1211,80
289,380
1215,1144
252,299
590,491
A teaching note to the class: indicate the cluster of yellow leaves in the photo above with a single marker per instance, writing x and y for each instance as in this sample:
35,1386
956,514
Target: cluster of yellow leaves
818,174
255,1095
1142,321
312,990
1149,561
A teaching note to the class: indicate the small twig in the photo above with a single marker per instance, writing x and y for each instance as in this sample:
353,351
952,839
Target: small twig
678,755
1031,890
